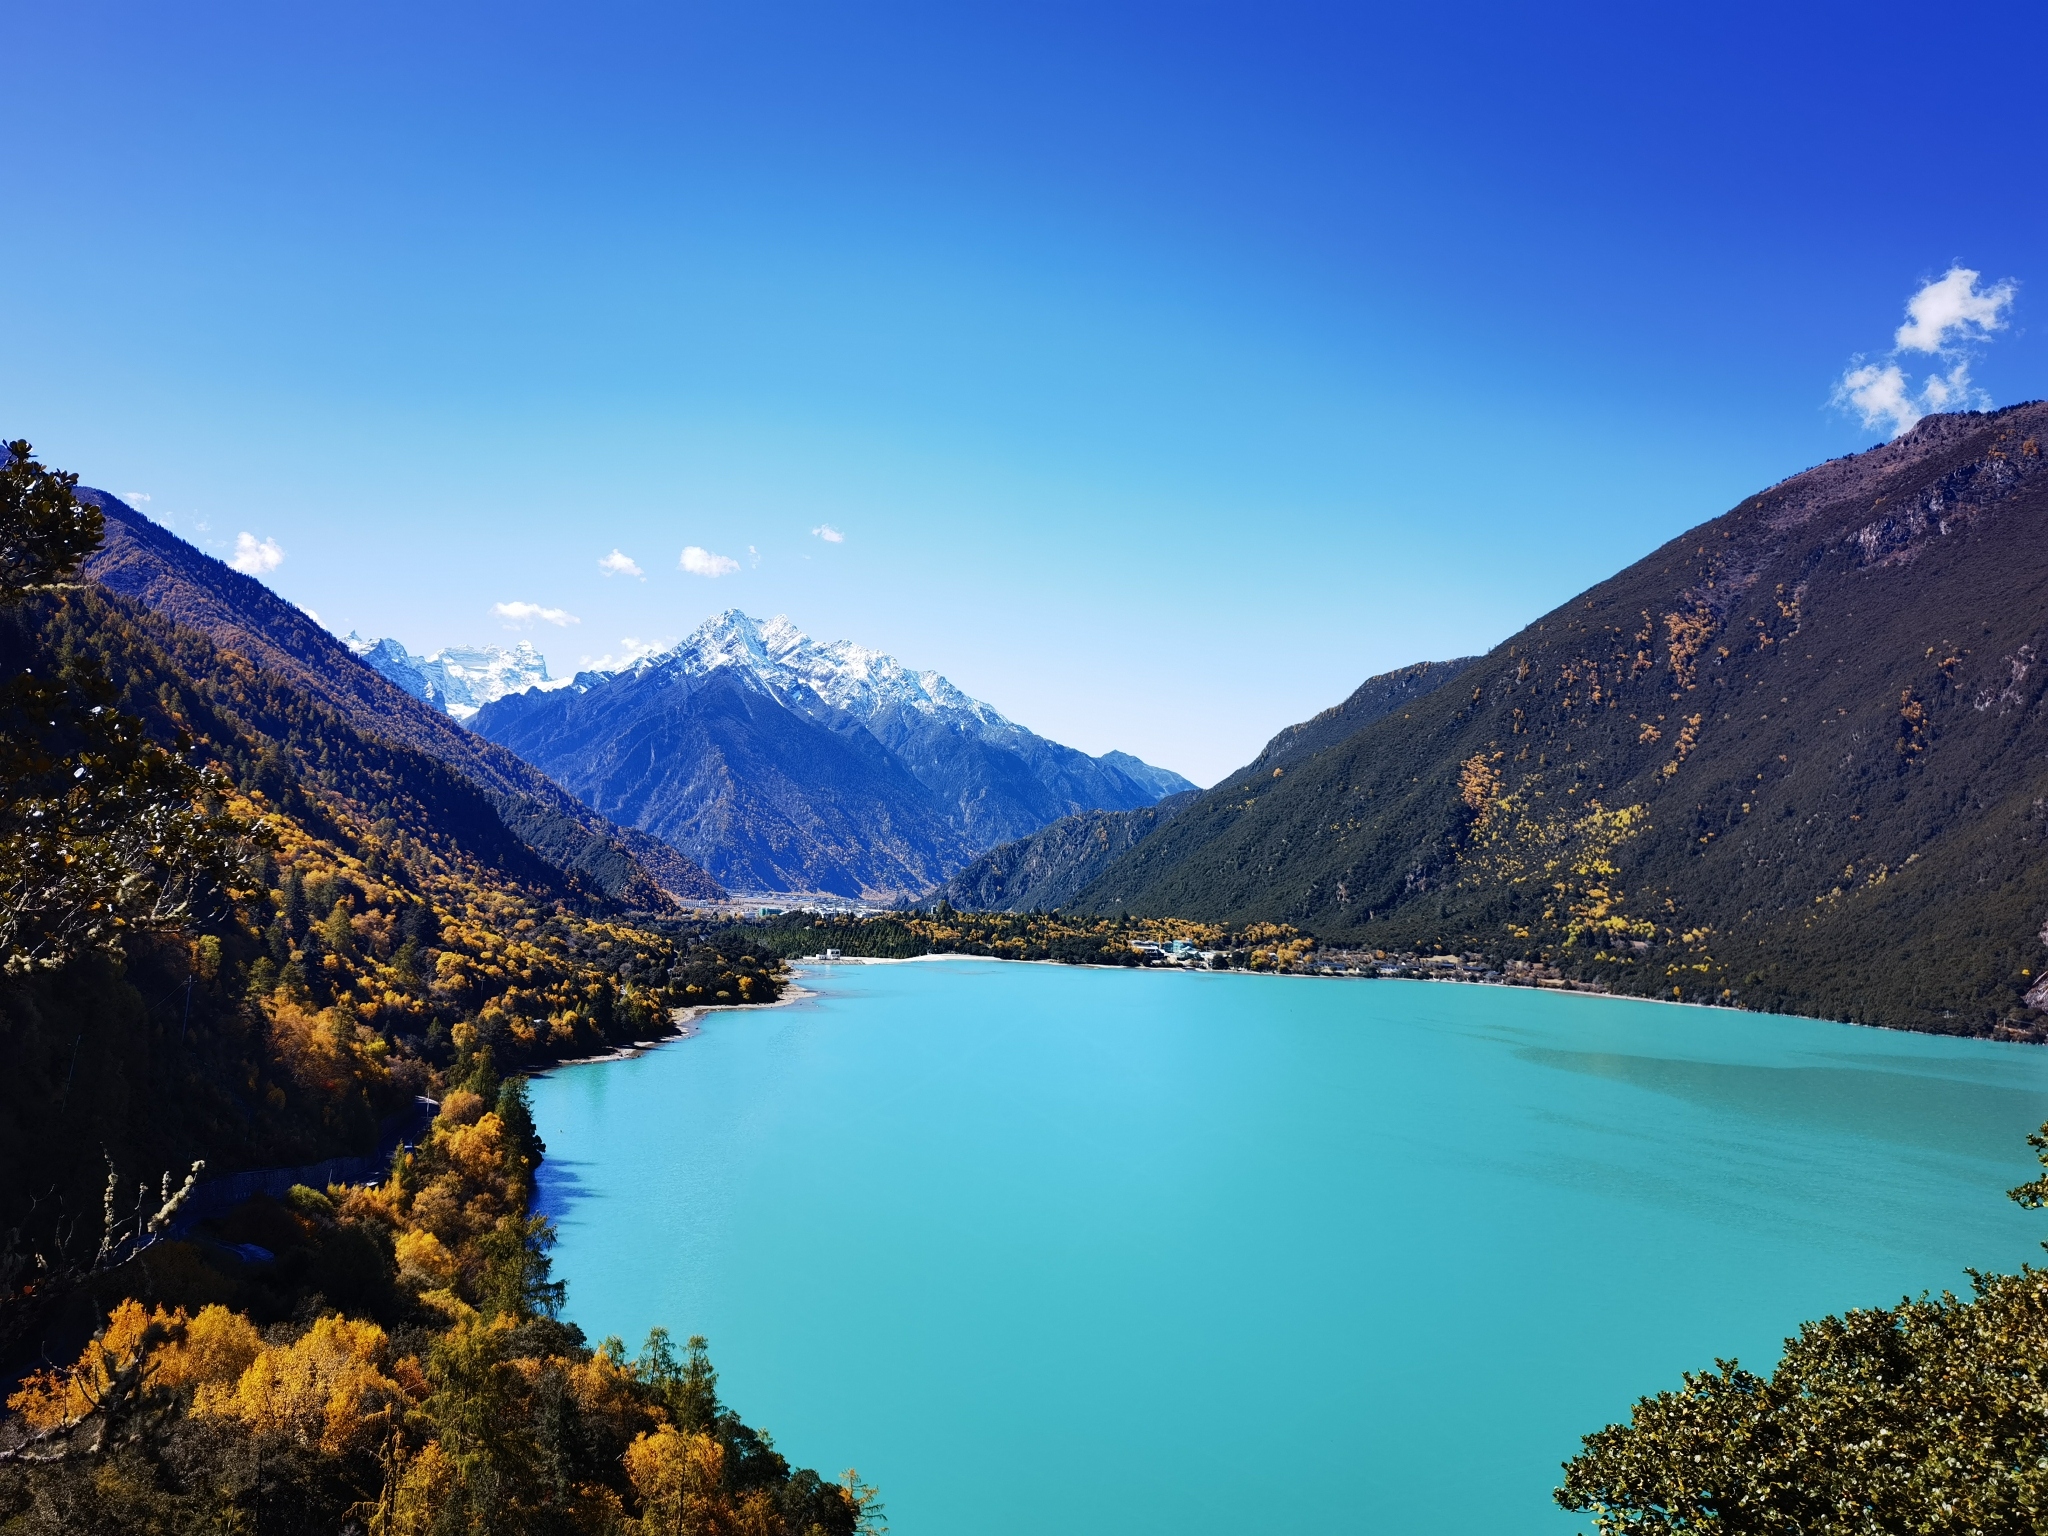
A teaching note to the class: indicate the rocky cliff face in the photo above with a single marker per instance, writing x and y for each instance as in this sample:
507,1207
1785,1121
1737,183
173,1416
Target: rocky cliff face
1795,759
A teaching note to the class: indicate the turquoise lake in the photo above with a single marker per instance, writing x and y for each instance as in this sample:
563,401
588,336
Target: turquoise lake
1043,1248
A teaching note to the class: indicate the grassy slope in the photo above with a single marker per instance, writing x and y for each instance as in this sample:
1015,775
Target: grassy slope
1856,820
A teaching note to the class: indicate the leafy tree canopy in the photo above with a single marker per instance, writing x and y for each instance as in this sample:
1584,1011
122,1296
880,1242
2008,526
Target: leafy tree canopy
1923,1417
45,530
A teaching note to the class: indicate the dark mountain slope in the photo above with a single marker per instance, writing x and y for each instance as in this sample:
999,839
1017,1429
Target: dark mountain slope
158,569
1373,699
768,797
1000,783
1052,867
816,812
1047,870
1797,758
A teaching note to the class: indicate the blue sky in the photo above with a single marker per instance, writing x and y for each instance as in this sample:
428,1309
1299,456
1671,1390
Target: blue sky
1165,370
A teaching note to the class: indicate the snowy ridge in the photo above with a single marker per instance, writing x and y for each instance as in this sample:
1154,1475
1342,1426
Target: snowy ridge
784,765
459,680
789,664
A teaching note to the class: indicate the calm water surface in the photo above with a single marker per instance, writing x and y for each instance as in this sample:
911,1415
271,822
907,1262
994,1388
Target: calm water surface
1040,1248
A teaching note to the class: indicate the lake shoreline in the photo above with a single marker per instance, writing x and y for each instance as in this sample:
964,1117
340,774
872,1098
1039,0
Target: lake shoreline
1438,981
1569,989
688,1024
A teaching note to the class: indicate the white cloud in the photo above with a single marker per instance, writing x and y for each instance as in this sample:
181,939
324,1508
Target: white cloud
1945,317
135,498
1952,390
309,613
1880,396
253,556
753,556
526,613
828,533
1950,310
701,562
616,564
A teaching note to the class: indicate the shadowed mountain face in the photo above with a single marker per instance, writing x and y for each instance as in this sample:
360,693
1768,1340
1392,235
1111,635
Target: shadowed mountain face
785,765
240,615
1047,870
774,800
1796,759
1373,699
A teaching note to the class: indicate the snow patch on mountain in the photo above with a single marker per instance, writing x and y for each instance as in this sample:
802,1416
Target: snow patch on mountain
788,664
457,679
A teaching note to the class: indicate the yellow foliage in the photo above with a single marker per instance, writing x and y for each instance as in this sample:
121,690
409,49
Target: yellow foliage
328,1389
213,1348
1570,858
477,1151
1479,783
677,1478
1688,635
1688,735
439,1208
421,1495
49,1399
217,1347
424,1261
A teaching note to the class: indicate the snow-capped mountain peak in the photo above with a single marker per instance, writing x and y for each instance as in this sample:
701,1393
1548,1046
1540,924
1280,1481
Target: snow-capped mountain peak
458,679
785,661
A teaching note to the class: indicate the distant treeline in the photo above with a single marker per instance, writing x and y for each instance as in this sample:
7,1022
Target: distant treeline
1070,940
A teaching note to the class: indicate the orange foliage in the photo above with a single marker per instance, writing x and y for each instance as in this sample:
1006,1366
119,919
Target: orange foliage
328,1389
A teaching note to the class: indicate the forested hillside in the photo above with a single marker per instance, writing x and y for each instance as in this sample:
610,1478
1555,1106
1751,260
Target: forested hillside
1051,867
1796,759
1046,870
379,892
238,930
241,615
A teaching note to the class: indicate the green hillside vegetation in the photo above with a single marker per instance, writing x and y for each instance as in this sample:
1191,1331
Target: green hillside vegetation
240,932
380,909
1046,870
1795,760
1049,869
943,930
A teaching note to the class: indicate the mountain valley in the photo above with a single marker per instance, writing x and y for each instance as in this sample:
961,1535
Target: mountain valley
788,766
